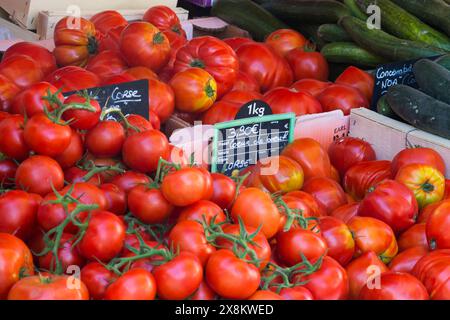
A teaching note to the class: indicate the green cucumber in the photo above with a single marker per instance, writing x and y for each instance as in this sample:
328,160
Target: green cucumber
420,110
350,53
384,44
433,79
333,33
385,109
249,16
444,61
307,11
404,25
356,12
434,12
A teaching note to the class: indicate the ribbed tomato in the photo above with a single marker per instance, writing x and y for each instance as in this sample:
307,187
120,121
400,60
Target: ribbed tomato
418,155
342,97
43,56
164,18
8,91
245,82
111,40
437,227
307,64
106,64
106,20
312,86
284,100
22,70
73,78
358,79
285,40
236,42
327,192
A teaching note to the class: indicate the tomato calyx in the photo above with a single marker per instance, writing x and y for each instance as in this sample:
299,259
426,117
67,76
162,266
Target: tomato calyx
92,45
164,167
210,92
158,38
52,238
427,187
197,63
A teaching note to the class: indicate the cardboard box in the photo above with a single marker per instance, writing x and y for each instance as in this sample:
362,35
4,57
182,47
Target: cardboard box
388,136
25,12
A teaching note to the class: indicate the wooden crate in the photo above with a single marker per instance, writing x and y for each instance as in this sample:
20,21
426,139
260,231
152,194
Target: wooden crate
388,136
25,12
47,20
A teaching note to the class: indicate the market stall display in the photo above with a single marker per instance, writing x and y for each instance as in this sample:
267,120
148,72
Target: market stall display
92,179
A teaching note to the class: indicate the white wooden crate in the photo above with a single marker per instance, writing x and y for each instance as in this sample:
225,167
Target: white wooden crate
25,12
388,136
47,20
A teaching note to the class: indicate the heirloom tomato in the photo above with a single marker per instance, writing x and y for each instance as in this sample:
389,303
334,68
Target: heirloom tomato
236,42
358,79
75,41
162,99
284,41
437,227
426,182
284,100
49,287
392,203
164,18
407,259
342,97
107,20
311,156
327,192
314,208
73,78
371,234
22,70
361,177
425,156
413,237
40,54
231,277
312,86
307,64
142,44
8,90
111,39
395,286
348,151
106,64
339,240
135,284
245,82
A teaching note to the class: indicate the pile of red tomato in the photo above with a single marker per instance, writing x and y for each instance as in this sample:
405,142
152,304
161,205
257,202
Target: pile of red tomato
101,209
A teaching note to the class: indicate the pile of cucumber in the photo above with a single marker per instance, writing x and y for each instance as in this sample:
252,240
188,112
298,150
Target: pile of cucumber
427,109
410,29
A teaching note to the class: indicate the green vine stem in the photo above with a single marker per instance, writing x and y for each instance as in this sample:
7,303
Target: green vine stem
99,169
123,118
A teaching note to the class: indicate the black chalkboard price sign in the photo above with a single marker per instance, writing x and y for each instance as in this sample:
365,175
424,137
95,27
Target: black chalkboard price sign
255,134
129,97
388,75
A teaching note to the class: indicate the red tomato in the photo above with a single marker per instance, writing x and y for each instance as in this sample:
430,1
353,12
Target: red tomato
256,208
245,82
204,292
142,44
309,201
406,260
115,198
75,174
82,119
142,151
141,72
178,278
8,170
311,156
135,284
189,236
195,90
308,64
30,101
49,287
283,41
265,295
162,99
40,54
437,227
284,100
447,189
86,193
176,42
312,86
202,209
425,156
395,286
221,111
231,277
107,20
73,78
12,143
97,278
330,282
296,293
67,255
106,64
104,237
371,234
224,190
361,177
148,204
433,270
164,18
8,90
39,174
73,153
105,139
291,244
177,186
17,213
74,42
392,203
358,79
362,270
346,152
22,70
177,156
236,42
341,97
338,238
111,40
264,65
413,237
212,55
129,180
327,192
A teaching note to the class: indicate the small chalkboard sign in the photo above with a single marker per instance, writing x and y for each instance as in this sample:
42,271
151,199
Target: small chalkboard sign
388,75
129,97
255,134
